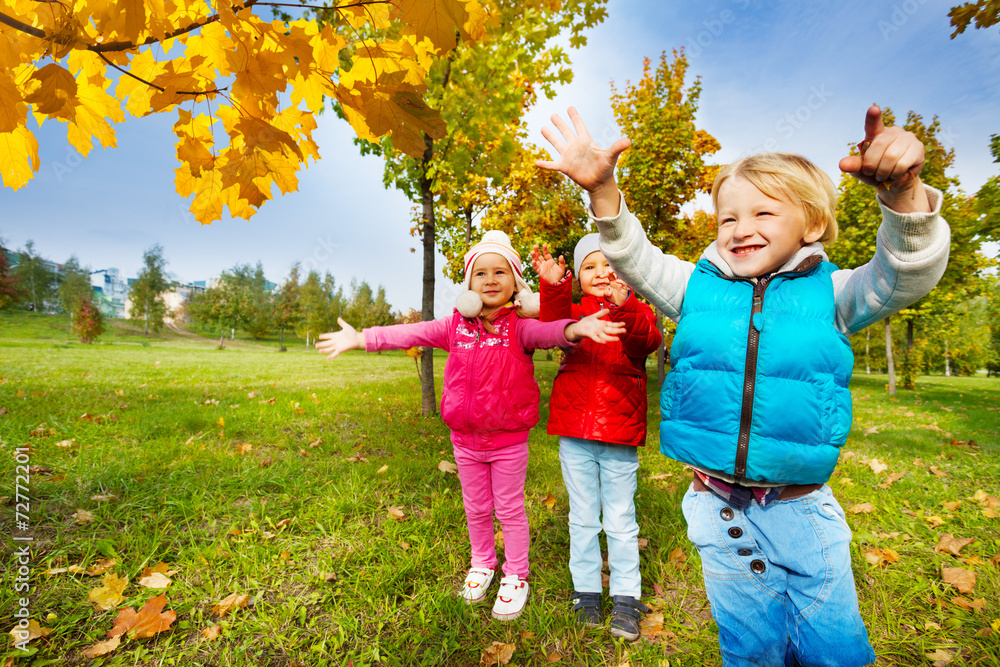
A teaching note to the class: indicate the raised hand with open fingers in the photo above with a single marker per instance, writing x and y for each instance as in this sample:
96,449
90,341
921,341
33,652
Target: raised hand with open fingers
333,343
547,268
593,327
590,166
891,159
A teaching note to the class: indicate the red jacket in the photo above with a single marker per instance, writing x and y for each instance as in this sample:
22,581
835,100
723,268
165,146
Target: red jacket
600,390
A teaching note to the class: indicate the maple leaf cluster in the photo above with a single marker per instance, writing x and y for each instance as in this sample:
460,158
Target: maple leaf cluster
260,83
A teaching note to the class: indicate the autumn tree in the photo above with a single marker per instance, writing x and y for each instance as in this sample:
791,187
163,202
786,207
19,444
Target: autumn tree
287,309
985,14
666,166
88,323
146,292
245,90
483,89
10,292
37,280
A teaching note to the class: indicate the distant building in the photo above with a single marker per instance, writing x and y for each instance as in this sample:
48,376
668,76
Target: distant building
110,292
176,298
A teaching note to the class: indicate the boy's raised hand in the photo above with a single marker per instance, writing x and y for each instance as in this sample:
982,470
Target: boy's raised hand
547,268
593,327
619,290
335,342
591,167
891,159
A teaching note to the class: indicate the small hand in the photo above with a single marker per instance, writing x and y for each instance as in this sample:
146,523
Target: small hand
546,267
891,159
619,290
593,327
592,167
335,342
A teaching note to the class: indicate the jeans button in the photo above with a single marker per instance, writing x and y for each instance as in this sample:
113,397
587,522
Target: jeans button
757,566
726,514
744,552
735,532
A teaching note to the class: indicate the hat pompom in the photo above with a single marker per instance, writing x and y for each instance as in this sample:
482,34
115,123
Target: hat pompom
529,304
469,304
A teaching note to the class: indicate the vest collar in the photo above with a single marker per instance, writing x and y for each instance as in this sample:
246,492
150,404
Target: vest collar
793,265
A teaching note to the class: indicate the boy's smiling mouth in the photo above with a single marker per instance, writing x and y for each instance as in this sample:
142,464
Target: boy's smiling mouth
745,250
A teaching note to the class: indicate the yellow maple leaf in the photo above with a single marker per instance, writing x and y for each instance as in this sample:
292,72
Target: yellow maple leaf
13,111
102,648
109,595
18,157
53,91
497,653
21,635
440,20
963,580
231,601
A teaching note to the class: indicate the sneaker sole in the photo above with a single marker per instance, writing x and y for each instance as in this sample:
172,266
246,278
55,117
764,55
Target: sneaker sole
508,617
621,634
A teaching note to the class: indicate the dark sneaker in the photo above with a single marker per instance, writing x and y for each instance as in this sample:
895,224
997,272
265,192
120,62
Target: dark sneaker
625,617
587,607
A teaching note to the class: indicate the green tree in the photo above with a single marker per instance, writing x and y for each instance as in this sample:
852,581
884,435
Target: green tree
366,309
258,318
223,306
666,166
37,280
322,302
74,286
287,308
146,292
483,89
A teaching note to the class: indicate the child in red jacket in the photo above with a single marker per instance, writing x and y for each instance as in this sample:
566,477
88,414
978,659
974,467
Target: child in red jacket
598,410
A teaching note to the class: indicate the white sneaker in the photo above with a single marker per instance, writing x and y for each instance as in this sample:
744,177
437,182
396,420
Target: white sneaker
511,598
476,583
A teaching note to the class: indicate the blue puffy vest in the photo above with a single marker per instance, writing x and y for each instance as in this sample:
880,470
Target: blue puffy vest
759,384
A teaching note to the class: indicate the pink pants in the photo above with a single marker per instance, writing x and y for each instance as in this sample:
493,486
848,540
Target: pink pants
493,481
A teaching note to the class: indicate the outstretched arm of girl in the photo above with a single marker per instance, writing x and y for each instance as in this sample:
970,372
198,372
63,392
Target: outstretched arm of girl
593,327
335,342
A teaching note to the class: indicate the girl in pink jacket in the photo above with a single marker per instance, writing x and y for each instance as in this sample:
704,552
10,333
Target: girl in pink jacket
489,401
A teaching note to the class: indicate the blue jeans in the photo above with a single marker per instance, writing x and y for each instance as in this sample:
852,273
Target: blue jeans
600,476
779,580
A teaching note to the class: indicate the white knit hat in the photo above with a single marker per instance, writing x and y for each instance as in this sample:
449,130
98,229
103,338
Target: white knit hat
469,303
588,244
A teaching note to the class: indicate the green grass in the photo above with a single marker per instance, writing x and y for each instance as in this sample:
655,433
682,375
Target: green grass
343,582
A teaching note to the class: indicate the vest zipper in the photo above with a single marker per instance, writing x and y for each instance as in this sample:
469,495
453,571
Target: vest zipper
468,378
749,380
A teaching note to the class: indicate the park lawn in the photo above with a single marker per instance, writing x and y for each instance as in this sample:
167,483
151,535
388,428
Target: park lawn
314,488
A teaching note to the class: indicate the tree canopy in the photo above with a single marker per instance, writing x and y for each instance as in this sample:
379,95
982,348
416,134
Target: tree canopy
245,90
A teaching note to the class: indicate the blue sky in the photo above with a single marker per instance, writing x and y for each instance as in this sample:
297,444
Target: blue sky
792,76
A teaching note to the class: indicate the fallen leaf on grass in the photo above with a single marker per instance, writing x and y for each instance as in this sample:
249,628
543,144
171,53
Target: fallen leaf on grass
497,653
232,601
382,470
963,580
498,539
98,568
104,497
266,462
282,523
405,546
643,542
919,463
934,521
549,501
244,448
146,622
951,505
930,625
83,516
34,631
881,557
951,544
970,605
109,595
157,576
892,479
213,632
448,467
315,443
677,556
862,508
660,477
938,472
847,455
102,648
66,443
357,458
940,657
553,657
876,465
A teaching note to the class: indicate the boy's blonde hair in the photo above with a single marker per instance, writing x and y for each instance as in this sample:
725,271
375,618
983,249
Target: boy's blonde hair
792,178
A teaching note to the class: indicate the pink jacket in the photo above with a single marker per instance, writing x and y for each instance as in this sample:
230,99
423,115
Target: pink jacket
490,397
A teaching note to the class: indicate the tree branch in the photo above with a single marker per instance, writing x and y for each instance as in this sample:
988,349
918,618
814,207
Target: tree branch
153,85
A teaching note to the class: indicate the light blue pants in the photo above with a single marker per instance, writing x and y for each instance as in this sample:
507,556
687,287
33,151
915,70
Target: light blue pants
779,580
601,476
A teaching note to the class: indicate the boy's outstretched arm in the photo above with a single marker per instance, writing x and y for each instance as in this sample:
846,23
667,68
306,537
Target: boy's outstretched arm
591,167
335,342
891,159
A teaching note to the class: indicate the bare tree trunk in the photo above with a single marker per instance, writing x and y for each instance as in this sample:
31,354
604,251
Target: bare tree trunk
947,360
890,364
868,339
662,352
428,401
